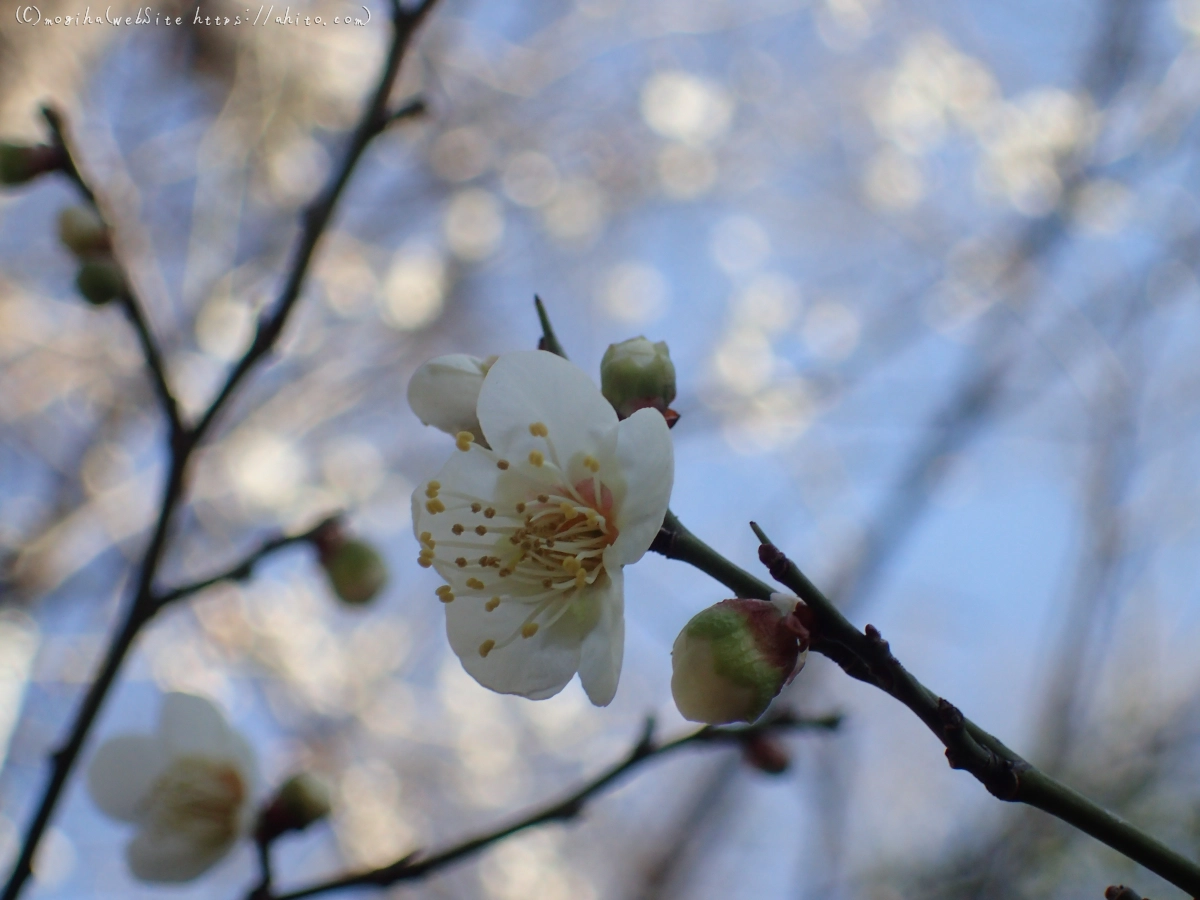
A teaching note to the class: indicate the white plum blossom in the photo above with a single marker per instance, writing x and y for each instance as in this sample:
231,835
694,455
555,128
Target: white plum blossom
188,789
443,392
531,535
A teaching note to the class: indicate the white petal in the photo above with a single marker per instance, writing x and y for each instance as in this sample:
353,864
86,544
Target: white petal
169,857
536,667
604,647
647,461
122,771
535,386
193,725
443,392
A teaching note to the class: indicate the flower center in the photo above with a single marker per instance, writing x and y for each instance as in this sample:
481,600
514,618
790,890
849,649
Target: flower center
197,797
540,541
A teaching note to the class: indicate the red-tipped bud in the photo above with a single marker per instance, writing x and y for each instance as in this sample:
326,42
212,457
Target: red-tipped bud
733,658
636,374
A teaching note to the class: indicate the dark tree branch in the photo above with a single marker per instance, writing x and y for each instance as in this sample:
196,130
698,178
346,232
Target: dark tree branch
865,655
127,299
143,603
318,213
1120,892
417,865
242,570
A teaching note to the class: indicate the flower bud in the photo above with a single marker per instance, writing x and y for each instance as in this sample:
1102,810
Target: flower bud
443,392
82,231
733,658
100,280
766,753
20,163
635,374
300,801
356,571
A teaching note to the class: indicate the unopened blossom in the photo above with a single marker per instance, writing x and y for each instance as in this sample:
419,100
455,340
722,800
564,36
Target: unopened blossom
187,787
637,373
732,659
531,535
444,391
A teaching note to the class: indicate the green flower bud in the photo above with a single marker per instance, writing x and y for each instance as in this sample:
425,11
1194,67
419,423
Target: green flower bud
20,163
100,280
82,231
356,571
732,659
635,374
301,800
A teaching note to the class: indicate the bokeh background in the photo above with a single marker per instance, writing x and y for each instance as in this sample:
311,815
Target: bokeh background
928,274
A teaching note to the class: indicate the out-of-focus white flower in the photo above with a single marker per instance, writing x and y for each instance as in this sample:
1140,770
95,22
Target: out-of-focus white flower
531,535
731,659
188,789
443,392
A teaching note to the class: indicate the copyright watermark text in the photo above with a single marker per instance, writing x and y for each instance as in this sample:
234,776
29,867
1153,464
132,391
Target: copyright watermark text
29,14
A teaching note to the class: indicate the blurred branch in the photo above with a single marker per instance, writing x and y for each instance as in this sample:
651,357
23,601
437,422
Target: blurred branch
128,300
316,216
417,865
143,603
1120,892
865,655
244,569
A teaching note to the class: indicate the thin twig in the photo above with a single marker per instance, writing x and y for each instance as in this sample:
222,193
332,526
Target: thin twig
318,213
142,603
866,656
128,300
242,570
418,865
549,339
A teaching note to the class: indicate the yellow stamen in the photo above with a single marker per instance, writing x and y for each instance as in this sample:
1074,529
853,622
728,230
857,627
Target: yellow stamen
529,629
435,506
492,604
461,562
535,457
489,513
580,578
475,584
447,597
502,464
486,647
591,464
538,429
424,562
480,530
463,440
